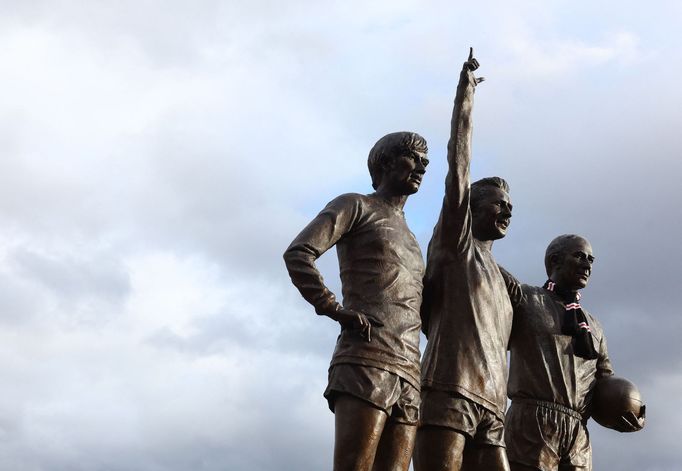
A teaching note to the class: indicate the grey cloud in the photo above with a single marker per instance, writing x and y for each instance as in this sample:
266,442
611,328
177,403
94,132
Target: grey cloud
290,325
72,277
248,119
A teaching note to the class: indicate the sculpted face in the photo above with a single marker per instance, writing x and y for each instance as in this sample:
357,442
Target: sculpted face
573,267
403,174
492,214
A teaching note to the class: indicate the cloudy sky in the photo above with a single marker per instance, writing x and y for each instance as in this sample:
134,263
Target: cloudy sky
156,157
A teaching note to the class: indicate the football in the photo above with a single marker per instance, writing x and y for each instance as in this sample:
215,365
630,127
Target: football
613,397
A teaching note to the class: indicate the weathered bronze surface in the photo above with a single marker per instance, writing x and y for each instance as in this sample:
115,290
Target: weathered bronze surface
466,312
558,350
374,374
550,380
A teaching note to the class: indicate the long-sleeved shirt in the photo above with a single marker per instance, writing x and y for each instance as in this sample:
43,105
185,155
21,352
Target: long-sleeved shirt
381,270
466,309
542,363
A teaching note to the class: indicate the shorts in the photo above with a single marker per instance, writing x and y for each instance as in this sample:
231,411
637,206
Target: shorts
545,435
384,390
454,411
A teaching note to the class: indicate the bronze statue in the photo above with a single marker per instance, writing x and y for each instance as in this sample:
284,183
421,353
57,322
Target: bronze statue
374,375
558,352
466,313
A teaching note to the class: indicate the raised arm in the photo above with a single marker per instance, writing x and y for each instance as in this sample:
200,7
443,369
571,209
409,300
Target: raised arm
336,219
454,224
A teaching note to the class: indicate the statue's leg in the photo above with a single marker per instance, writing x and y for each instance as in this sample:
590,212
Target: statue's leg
358,428
485,457
438,449
395,447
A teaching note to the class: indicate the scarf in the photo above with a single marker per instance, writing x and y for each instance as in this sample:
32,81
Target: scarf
575,322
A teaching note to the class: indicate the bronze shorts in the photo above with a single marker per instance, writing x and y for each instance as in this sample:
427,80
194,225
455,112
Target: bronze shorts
383,389
545,435
454,411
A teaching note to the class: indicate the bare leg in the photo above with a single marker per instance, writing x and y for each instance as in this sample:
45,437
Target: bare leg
485,457
358,427
438,449
395,447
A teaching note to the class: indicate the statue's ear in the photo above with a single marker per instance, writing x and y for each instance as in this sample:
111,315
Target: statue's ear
475,207
554,261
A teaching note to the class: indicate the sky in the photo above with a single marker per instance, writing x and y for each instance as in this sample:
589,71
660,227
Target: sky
157,157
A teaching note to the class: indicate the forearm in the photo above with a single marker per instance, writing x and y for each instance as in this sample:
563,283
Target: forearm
604,367
452,221
335,220
300,263
459,144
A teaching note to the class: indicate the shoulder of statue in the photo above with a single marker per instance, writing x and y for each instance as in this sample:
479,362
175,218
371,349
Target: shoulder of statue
350,197
546,295
347,201
530,289
529,293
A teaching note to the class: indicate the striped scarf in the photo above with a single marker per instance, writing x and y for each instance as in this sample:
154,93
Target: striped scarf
575,322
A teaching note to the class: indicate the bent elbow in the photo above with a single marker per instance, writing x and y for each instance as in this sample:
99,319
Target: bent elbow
289,256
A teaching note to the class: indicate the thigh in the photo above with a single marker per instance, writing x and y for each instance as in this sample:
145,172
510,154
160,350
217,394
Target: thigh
438,449
395,447
358,429
448,410
485,457
532,437
578,448
489,437
379,387
405,409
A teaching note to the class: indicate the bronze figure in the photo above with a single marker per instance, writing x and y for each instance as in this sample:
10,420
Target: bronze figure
558,353
466,313
374,375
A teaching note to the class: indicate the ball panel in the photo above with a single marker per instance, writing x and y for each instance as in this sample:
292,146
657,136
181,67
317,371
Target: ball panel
613,397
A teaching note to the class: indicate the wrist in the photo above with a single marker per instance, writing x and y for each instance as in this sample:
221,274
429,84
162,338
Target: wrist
327,306
330,310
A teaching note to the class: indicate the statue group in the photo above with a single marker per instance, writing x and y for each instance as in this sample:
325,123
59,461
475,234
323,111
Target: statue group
448,408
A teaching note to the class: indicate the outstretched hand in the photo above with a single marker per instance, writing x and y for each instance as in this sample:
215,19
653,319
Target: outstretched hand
630,422
472,64
357,321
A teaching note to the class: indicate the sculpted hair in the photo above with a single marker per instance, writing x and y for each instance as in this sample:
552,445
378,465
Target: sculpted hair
558,247
480,187
389,147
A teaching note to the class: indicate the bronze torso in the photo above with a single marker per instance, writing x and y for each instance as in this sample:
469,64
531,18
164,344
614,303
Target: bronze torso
381,269
542,365
470,321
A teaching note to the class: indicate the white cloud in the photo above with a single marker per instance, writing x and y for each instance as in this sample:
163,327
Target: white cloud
158,158
542,58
